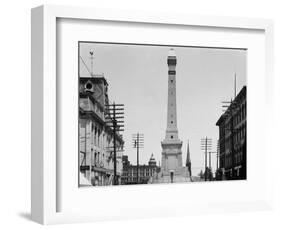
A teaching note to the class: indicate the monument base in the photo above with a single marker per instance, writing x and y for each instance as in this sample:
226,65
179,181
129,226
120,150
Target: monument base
179,176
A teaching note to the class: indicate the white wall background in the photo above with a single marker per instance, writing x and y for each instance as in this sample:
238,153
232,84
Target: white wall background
15,112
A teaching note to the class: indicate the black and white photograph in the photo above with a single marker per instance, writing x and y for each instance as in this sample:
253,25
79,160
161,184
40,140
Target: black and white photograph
152,114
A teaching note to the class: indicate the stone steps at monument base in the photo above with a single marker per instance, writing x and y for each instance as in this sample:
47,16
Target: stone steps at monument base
177,178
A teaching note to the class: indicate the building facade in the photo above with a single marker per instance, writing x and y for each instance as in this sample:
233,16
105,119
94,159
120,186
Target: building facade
232,139
95,135
146,172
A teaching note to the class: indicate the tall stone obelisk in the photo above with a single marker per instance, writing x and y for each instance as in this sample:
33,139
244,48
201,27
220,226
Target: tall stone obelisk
171,164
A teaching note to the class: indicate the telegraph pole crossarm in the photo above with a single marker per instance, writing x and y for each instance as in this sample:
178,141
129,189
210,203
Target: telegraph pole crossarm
206,146
117,125
138,142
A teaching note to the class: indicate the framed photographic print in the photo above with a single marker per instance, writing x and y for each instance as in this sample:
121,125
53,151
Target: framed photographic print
131,109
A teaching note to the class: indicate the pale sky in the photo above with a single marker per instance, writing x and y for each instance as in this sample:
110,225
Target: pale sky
138,78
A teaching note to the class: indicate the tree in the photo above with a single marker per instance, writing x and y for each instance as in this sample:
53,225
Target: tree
209,174
201,175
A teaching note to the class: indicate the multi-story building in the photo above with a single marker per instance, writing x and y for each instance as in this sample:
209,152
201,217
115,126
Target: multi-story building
95,135
146,172
232,139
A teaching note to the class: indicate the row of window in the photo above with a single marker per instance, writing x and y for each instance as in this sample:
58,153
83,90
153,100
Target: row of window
240,134
132,179
96,137
240,115
134,173
226,161
238,158
93,139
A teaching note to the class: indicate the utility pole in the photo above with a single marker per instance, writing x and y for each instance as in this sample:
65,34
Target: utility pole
92,62
206,145
234,85
138,142
210,158
116,122
231,108
218,150
218,158
210,162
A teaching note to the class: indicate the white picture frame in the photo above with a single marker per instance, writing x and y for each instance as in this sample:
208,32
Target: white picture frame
47,184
